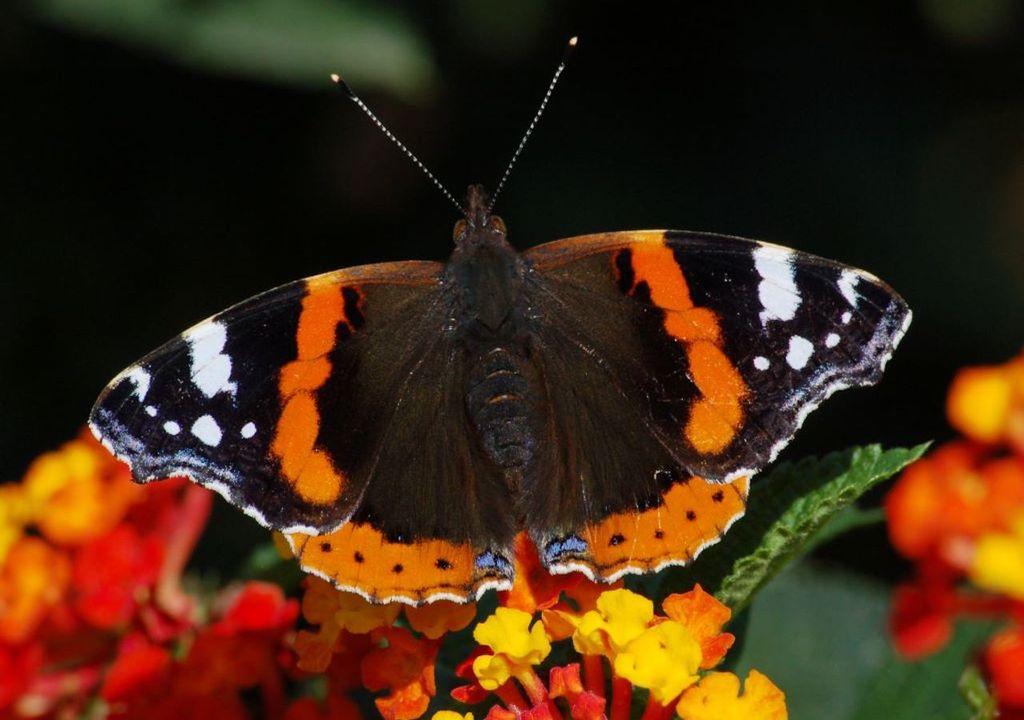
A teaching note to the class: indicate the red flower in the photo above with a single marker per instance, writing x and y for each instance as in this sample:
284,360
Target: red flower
1004,660
239,652
921,620
113,575
139,667
19,665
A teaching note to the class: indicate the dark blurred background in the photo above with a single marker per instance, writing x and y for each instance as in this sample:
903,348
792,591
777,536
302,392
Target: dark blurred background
163,160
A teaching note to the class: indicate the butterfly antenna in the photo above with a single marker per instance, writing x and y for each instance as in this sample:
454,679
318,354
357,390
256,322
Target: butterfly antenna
533,123
409,153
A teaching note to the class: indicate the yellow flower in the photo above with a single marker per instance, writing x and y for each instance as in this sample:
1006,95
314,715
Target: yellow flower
509,633
515,643
14,515
450,715
998,563
620,618
493,671
663,658
717,697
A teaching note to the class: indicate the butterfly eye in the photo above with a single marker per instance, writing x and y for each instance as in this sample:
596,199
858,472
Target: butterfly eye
497,224
460,229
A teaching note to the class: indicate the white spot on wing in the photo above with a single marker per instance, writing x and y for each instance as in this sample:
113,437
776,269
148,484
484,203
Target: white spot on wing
211,368
140,378
831,340
761,363
777,290
800,349
172,428
151,411
207,430
248,430
847,283
847,317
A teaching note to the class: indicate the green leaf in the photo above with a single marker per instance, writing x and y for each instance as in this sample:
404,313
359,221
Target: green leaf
786,510
265,563
976,694
820,634
299,42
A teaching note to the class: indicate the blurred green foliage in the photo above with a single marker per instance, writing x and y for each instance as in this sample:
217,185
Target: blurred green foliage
819,634
299,41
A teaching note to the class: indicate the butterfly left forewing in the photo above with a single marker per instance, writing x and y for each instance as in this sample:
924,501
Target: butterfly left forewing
720,346
231,402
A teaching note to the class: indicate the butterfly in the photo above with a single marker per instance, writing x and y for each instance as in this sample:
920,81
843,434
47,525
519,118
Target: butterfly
609,395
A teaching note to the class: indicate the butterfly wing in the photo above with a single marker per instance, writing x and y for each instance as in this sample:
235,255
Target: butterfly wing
691,360
319,408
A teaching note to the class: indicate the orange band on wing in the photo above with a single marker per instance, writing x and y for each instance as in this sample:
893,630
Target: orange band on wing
655,264
717,414
358,557
308,469
693,515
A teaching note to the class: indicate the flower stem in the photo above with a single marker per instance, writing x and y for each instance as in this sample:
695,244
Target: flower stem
622,699
656,711
593,674
190,522
513,699
533,686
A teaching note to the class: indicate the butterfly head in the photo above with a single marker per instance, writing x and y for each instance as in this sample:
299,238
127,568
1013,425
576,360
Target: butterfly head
479,227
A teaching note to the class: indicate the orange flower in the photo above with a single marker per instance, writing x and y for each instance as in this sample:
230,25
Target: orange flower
343,676
440,617
33,580
942,503
534,588
703,616
334,611
405,667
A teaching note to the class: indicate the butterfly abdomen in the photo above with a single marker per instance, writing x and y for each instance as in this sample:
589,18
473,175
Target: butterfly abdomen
499,406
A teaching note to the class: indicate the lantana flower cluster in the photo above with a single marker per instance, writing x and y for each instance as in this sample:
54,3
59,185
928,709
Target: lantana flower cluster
958,514
95,622
623,647
93,618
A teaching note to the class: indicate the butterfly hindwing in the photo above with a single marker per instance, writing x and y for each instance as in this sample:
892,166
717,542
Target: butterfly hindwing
701,355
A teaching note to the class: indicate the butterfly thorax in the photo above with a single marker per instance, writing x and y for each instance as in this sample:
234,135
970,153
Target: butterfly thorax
486,272
487,277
